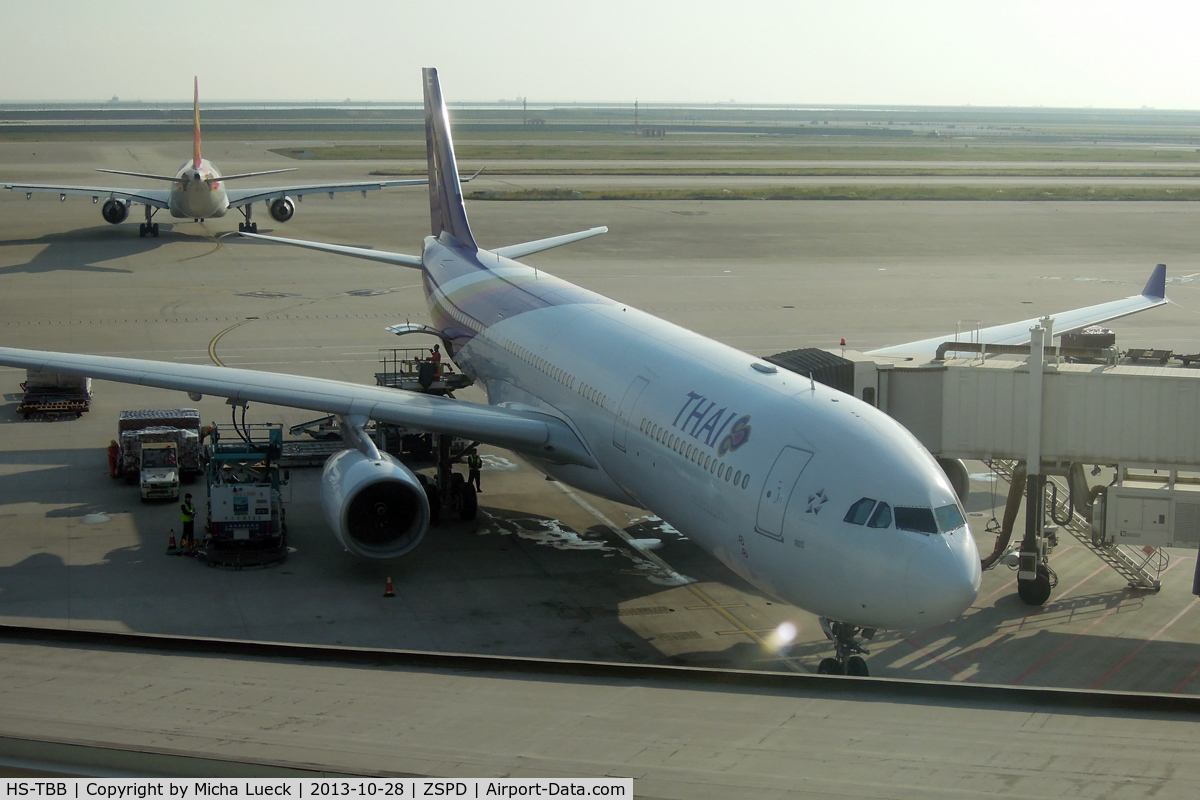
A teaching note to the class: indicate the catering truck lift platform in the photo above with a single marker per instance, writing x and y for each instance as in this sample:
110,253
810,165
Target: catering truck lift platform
246,522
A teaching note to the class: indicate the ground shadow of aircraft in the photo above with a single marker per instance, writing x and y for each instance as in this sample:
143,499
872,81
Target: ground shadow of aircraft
85,249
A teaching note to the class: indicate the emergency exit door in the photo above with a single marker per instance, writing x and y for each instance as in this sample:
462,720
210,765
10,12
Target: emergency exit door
625,410
777,491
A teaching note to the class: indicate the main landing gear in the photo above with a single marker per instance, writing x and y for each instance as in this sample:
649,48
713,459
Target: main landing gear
247,226
846,659
148,228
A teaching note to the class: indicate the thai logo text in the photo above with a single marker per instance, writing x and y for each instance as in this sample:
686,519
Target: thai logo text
700,419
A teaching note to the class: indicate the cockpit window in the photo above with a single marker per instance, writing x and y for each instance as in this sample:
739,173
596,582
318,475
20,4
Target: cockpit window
860,511
949,518
882,518
916,519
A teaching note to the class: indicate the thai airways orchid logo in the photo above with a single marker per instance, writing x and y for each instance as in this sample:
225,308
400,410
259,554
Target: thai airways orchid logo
738,435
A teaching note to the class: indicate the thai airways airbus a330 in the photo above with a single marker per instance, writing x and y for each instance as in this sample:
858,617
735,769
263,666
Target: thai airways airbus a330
812,495
198,191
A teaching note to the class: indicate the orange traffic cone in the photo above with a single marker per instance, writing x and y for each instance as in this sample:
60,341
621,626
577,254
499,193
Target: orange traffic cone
172,548
388,591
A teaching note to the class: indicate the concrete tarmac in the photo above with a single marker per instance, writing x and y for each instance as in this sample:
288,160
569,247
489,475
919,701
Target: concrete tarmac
541,573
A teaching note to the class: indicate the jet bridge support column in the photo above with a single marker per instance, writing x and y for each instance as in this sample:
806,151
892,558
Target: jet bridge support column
1033,575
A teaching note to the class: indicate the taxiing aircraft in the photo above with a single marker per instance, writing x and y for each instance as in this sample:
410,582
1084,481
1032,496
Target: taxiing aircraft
198,191
813,496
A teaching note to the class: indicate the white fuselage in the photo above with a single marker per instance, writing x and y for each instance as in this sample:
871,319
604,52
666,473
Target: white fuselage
198,193
758,468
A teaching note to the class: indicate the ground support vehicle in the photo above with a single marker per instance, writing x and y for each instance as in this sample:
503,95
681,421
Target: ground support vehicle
246,522
52,394
158,471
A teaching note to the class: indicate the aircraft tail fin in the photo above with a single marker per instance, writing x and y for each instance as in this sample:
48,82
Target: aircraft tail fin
196,115
447,213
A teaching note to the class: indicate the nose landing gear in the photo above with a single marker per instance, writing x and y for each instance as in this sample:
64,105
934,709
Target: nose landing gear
846,659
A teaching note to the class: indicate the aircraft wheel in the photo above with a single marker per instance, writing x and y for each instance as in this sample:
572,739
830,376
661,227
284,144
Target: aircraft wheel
154,230
254,227
469,505
142,230
1037,591
829,666
857,666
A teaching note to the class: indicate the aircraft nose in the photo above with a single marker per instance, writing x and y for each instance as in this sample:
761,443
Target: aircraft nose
943,577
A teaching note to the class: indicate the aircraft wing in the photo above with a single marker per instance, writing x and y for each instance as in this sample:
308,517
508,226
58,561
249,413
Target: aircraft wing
1154,294
150,197
243,197
520,429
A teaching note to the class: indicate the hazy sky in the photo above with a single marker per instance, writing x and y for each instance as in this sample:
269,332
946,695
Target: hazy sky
923,52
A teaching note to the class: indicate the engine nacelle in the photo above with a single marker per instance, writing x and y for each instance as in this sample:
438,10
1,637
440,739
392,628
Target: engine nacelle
377,509
960,478
114,210
282,209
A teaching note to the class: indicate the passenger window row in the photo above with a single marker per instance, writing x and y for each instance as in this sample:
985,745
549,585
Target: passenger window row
920,520
694,454
540,364
595,395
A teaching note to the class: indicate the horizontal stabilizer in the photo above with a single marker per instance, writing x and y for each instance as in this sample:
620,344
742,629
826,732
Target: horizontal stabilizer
256,174
139,175
527,248
1154,294
343,250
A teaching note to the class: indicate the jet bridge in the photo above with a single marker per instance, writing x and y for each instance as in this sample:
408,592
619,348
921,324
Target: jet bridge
1057,409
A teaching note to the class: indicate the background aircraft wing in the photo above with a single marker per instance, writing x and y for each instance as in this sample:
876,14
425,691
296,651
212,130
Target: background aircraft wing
1154,294
523,430
150,197
242,197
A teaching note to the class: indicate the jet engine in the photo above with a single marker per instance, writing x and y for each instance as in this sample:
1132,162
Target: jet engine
114,211
960,478
282,209
377,509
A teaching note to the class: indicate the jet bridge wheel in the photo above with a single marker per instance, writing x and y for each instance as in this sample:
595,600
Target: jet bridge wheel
1035,592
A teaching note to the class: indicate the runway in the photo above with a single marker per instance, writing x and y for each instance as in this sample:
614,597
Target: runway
542,574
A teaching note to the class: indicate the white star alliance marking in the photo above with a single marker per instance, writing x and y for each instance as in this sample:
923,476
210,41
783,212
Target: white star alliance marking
815,501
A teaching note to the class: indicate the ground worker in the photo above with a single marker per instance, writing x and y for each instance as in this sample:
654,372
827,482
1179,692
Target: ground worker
187,513
435,355
114,458
474,464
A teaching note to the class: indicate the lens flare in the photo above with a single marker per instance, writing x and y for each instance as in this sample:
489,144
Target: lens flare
782,637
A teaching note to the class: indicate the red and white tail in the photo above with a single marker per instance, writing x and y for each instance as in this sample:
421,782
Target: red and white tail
196,111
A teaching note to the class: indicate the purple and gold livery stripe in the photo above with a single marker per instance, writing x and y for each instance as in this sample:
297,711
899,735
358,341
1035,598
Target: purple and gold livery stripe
475,299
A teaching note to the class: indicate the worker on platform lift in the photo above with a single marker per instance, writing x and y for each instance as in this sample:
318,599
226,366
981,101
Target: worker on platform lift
435,355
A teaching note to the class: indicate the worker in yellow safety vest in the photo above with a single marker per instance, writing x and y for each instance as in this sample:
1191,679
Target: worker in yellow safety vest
474,464
187,513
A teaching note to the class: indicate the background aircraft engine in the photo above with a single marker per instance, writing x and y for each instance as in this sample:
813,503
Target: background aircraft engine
114,211
377,509
282,209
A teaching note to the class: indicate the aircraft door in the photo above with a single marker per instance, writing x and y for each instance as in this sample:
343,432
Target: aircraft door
632,395
777,491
